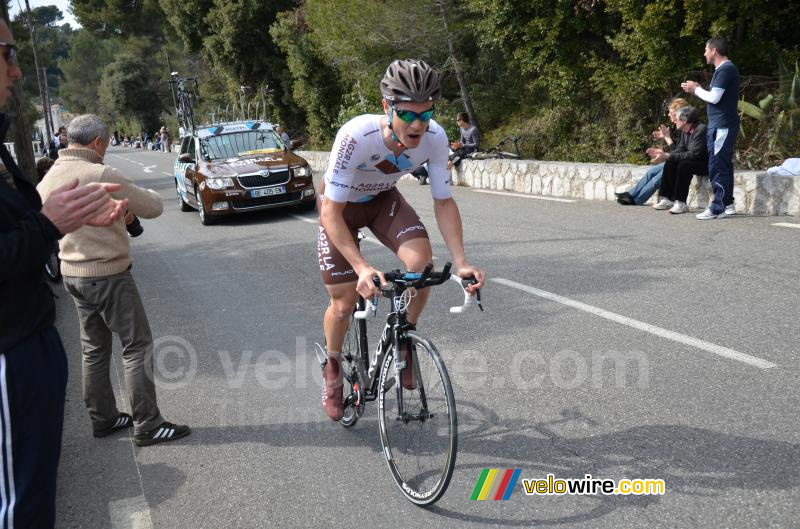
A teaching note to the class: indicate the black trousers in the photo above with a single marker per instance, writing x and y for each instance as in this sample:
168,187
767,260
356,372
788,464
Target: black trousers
677,177
33,382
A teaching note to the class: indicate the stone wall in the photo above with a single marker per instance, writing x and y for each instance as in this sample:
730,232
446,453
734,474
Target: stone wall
756,192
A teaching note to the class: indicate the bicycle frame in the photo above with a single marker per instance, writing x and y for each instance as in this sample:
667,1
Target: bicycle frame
393,333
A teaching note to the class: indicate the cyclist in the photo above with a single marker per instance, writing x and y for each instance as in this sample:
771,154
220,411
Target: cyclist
370,154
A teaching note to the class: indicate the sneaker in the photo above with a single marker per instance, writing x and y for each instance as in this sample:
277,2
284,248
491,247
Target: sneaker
122,421
664,203
165,432
679,207
625,198
333,390
730,209
706,215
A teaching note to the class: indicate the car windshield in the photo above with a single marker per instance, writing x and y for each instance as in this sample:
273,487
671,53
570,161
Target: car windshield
240,144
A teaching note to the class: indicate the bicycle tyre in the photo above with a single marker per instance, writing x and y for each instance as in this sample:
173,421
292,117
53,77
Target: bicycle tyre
351,353
395,439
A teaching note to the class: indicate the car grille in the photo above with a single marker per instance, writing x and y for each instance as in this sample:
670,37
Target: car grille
266,201
256,180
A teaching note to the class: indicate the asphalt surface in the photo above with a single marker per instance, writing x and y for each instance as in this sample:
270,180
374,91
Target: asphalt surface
628,372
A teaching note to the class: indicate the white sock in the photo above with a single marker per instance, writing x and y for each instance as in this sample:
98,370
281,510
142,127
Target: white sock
336,355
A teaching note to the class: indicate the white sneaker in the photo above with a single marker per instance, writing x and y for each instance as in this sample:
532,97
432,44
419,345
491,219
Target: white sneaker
679,207
730,209
706,215
665,203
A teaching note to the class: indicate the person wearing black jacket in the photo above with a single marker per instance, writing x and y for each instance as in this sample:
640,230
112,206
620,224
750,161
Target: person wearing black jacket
33,364
689,158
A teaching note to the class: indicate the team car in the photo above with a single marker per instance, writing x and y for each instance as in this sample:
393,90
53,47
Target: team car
240,167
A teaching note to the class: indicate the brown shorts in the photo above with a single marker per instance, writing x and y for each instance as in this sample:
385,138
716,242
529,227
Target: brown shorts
388,216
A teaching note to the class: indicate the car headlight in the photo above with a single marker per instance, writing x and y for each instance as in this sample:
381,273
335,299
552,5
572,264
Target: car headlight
302,171
219,183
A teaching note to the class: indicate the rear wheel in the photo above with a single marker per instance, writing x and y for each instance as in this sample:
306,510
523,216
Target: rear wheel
183,205
420,445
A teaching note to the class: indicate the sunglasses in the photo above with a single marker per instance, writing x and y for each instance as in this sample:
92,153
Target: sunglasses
409,117
10,53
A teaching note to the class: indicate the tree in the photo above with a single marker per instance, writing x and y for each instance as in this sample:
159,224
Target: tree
83,69
125,92
315,85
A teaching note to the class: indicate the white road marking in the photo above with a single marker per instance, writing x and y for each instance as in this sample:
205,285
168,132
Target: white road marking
316,221
305,219
786,225
130,513
646,327
166,173
535,197
148,169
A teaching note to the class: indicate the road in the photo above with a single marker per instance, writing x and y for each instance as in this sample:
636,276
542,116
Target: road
616,342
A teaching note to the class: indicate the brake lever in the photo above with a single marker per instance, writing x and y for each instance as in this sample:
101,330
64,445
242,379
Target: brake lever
370,306
469,299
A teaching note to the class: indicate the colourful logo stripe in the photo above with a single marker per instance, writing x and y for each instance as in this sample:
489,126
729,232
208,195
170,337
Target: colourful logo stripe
479,485
498,480
487,484
512,483
498,495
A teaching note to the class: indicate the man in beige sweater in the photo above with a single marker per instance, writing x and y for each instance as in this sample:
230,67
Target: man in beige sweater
96,263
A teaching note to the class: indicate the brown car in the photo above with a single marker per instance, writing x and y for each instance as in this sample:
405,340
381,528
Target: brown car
239,167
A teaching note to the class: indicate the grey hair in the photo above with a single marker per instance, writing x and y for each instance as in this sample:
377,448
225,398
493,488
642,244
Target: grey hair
688,114
85,128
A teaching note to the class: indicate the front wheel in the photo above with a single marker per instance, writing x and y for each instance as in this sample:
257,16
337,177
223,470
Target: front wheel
205,218
420,441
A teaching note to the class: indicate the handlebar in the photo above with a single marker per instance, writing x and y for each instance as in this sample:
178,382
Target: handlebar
424,279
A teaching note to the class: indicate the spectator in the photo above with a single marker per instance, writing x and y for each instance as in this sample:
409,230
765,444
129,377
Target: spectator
470,140
95,264
284,137
688,158
43,165
647,185
55,147
33,363
723,125
164,139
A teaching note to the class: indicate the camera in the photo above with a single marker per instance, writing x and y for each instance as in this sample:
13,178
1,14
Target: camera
133,225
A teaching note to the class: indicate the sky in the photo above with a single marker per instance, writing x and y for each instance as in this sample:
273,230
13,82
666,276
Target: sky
63,5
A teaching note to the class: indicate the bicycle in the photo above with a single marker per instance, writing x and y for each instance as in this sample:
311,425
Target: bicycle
418,424
185,110
497,152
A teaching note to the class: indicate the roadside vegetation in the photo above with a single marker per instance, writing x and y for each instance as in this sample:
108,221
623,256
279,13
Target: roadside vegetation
577,80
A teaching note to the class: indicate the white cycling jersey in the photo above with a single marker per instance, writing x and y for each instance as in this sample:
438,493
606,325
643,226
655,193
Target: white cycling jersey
361,166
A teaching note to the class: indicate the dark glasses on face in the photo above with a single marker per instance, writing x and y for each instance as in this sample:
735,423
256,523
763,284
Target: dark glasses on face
10,53
409,117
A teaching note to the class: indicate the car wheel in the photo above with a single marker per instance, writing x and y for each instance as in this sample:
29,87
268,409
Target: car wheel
184,206
205,218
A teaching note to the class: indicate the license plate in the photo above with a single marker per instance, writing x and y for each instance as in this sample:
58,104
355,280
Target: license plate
268,191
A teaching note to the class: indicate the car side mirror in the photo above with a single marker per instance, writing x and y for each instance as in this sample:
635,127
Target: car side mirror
186,158
296,144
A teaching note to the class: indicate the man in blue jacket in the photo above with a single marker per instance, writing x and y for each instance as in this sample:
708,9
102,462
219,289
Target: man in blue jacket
33,364
723,125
